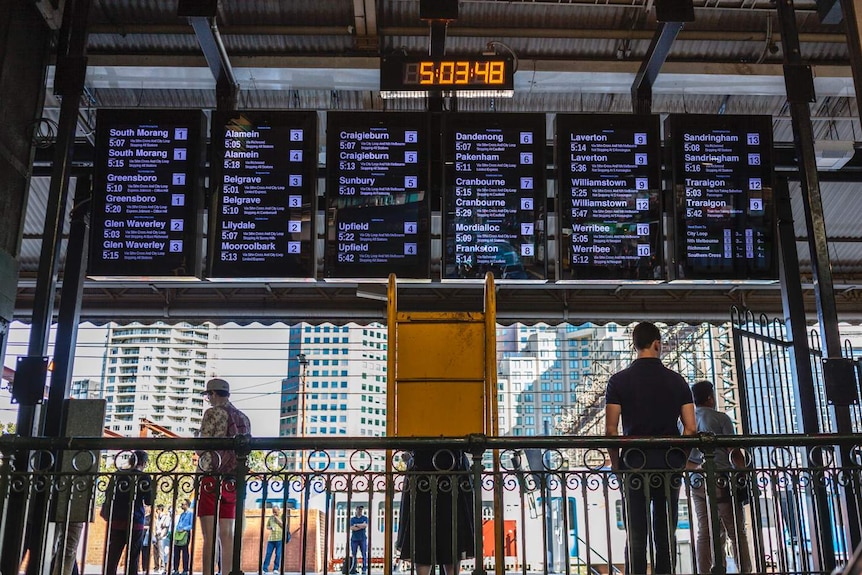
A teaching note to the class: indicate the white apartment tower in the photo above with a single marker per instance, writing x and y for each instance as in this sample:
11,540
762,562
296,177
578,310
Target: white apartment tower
85,389
335,386
156,371
544,370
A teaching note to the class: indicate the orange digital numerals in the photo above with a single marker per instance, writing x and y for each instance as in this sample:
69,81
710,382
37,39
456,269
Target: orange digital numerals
455,72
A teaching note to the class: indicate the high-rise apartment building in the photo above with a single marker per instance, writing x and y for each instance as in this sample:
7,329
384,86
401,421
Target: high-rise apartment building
335,386
156,371
336,379
85,389
544,371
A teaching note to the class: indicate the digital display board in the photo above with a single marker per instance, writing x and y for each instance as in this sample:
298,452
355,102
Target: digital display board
495,196
723,202
609,211
377,195
146,216
399,72
264,176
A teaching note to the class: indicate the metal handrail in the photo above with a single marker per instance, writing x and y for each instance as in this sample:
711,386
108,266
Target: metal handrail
613,568
471,443
778,488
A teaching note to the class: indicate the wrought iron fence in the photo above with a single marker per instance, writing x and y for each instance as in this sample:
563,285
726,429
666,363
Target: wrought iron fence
520,505
767,376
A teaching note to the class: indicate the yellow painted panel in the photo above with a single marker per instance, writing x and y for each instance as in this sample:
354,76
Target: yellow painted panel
432,408
440,316
440,351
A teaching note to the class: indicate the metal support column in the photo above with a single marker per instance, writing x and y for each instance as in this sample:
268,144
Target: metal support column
803,377
852,11
68,83
64,354
70,307
800,93
437,49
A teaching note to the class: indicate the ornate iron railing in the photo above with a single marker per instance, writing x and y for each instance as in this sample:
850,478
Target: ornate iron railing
525,515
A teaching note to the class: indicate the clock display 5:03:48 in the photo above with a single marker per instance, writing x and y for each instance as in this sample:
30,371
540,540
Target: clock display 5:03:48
455,73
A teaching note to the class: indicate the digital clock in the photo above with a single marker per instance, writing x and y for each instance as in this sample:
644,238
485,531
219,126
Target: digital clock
455,73
400,72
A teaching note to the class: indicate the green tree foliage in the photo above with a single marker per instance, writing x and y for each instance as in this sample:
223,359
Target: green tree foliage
174,473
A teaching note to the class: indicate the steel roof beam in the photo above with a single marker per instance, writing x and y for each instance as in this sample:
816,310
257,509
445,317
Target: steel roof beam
364,25
52,12
468,31
672,16
321,303
202,18
702,4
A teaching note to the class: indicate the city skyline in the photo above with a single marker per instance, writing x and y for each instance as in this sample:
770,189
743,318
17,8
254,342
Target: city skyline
543,372
262,347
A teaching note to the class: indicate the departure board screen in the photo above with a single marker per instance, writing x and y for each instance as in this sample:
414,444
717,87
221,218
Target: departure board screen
723,202
495,196
377,195
609,209
264,175
146,216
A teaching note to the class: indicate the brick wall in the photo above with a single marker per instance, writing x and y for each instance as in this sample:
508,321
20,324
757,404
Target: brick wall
252,550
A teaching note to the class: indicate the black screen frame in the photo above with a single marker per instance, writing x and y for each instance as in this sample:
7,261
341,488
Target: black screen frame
741,269
534,267
566,124
181,265
420,265
305,267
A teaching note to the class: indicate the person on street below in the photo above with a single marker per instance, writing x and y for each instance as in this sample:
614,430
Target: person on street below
275,525
127,497
359,540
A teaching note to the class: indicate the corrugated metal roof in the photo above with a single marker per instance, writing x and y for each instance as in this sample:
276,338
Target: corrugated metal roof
143,43
839,200
247,44
840,215
281,13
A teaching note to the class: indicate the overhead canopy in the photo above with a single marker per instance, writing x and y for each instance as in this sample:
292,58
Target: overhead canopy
572,56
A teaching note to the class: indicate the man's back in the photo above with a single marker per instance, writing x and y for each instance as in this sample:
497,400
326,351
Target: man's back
650,397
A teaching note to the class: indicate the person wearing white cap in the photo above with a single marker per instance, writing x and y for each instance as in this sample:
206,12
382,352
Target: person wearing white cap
218,490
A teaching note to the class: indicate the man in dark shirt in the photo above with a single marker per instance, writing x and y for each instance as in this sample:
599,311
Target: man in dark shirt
128,494
651,400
